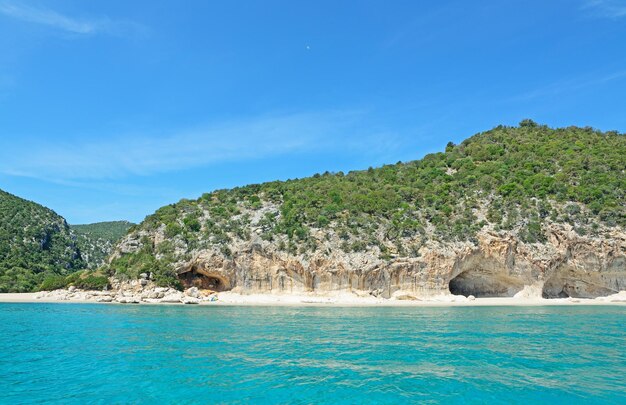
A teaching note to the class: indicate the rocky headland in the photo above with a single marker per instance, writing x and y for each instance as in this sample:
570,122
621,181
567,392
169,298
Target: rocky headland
516,211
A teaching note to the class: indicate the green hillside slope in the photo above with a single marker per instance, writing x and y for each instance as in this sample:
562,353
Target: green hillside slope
34,242
95,241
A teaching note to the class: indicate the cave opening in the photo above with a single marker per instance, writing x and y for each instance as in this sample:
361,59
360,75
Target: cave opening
576,283
204,280
481,283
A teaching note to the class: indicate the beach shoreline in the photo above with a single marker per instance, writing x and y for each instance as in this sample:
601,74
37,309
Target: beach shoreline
342,300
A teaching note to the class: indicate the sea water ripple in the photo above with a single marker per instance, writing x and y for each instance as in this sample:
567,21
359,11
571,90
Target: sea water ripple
88,353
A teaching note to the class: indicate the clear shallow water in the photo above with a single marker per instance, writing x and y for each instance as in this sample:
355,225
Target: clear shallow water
70,353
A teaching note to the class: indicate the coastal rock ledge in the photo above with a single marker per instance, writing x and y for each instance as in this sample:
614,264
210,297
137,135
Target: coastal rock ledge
496,264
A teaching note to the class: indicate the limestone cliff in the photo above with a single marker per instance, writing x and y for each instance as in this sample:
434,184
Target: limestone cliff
498,264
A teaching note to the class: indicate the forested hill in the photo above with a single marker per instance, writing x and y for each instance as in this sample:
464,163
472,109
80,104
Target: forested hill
34,242
508,179
95,241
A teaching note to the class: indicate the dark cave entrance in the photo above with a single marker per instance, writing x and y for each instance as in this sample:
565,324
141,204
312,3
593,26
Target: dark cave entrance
481,283
204,280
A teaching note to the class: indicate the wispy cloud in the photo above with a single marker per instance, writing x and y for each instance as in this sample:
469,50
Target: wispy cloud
569,85
606,8
81,26
146,154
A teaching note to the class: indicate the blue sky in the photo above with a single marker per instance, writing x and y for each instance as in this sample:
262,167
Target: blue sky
111,109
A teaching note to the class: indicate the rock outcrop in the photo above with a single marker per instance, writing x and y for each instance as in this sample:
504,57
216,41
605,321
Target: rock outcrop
131,292
497,265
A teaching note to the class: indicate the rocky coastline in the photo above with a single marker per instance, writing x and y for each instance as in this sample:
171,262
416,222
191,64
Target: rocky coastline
497,264
131,292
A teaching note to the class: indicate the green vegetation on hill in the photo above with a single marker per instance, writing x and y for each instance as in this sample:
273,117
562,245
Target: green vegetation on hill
85,279
95,241
508,179
35,242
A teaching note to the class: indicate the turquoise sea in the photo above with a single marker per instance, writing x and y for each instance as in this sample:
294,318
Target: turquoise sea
75,353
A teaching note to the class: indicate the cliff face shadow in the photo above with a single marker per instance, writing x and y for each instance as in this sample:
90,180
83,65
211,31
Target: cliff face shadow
578,283
484,283
204,280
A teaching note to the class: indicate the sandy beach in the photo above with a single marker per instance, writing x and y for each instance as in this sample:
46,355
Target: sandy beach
342,299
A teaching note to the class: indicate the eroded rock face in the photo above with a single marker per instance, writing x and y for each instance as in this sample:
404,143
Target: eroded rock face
497,265
569,281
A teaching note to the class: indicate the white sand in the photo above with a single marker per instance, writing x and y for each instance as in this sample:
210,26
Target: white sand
348,299
32,297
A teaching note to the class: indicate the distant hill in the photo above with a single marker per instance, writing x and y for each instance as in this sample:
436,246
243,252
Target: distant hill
34,242
95,241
